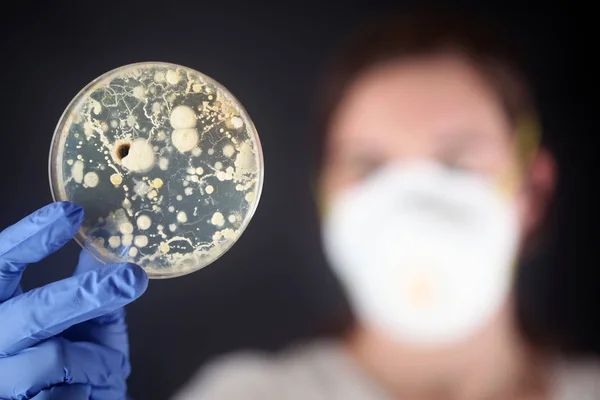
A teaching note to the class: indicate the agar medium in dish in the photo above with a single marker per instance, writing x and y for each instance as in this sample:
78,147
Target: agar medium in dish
166,164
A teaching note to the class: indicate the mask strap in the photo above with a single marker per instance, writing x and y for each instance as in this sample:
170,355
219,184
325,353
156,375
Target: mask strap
528,134
526,145
528,137
315,186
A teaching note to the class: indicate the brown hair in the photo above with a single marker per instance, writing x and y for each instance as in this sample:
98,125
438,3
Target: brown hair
426,34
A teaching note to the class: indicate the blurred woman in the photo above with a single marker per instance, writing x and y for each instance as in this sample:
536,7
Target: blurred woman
432,185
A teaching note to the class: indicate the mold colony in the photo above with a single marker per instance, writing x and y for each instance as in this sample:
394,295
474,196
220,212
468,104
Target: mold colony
166,164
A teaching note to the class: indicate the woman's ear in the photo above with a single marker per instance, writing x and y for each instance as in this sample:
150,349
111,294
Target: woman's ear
541,184
318,195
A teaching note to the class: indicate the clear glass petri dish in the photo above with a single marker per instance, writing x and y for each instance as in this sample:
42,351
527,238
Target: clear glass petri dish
165,162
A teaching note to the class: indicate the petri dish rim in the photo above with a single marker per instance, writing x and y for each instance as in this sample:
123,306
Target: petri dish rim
54,169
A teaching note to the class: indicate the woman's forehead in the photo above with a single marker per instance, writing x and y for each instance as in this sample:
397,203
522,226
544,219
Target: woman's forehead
420,98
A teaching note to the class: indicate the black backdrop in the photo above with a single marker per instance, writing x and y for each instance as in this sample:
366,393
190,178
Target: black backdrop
273,288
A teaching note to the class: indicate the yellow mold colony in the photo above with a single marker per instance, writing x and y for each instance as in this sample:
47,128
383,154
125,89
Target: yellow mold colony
166,164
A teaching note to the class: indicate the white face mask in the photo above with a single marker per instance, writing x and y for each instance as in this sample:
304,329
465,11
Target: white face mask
425,253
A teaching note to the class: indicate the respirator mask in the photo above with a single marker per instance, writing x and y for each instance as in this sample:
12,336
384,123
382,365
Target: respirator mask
425,252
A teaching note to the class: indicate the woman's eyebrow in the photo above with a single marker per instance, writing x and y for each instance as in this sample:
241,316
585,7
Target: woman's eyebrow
362,145
457,142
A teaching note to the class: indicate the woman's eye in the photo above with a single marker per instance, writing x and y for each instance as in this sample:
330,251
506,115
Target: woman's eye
468,165
362,166
457,165
462,162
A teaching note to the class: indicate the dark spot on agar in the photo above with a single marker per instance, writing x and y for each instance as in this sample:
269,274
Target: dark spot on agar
123,150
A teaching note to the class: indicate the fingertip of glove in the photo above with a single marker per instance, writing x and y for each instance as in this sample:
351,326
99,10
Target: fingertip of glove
87,262
72,211
134,276
123,283
41,232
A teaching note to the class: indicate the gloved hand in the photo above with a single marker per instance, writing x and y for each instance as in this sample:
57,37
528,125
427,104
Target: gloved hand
66,340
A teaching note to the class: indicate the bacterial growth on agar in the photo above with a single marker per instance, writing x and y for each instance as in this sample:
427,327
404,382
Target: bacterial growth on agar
166,164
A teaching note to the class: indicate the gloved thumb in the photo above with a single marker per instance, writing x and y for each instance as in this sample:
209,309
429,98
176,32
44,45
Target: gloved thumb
108,330
71,392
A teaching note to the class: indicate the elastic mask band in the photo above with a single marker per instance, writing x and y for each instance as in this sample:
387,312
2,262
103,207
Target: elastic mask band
526,145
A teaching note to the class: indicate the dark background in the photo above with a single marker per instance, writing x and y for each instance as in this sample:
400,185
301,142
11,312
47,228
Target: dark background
273,288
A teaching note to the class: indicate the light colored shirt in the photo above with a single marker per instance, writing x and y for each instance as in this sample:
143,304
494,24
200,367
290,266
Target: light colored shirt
324,371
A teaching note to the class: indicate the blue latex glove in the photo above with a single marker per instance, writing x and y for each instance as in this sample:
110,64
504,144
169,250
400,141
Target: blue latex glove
68,339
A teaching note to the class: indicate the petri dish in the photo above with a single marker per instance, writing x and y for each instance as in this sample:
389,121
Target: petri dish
165,162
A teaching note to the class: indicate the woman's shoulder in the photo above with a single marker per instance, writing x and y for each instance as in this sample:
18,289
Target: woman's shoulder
315,370
322,370
232,376
577,378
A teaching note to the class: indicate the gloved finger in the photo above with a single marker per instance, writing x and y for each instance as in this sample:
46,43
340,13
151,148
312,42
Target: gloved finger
44,312
86,263
58,362
82,392
109,330
63,392
32,239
